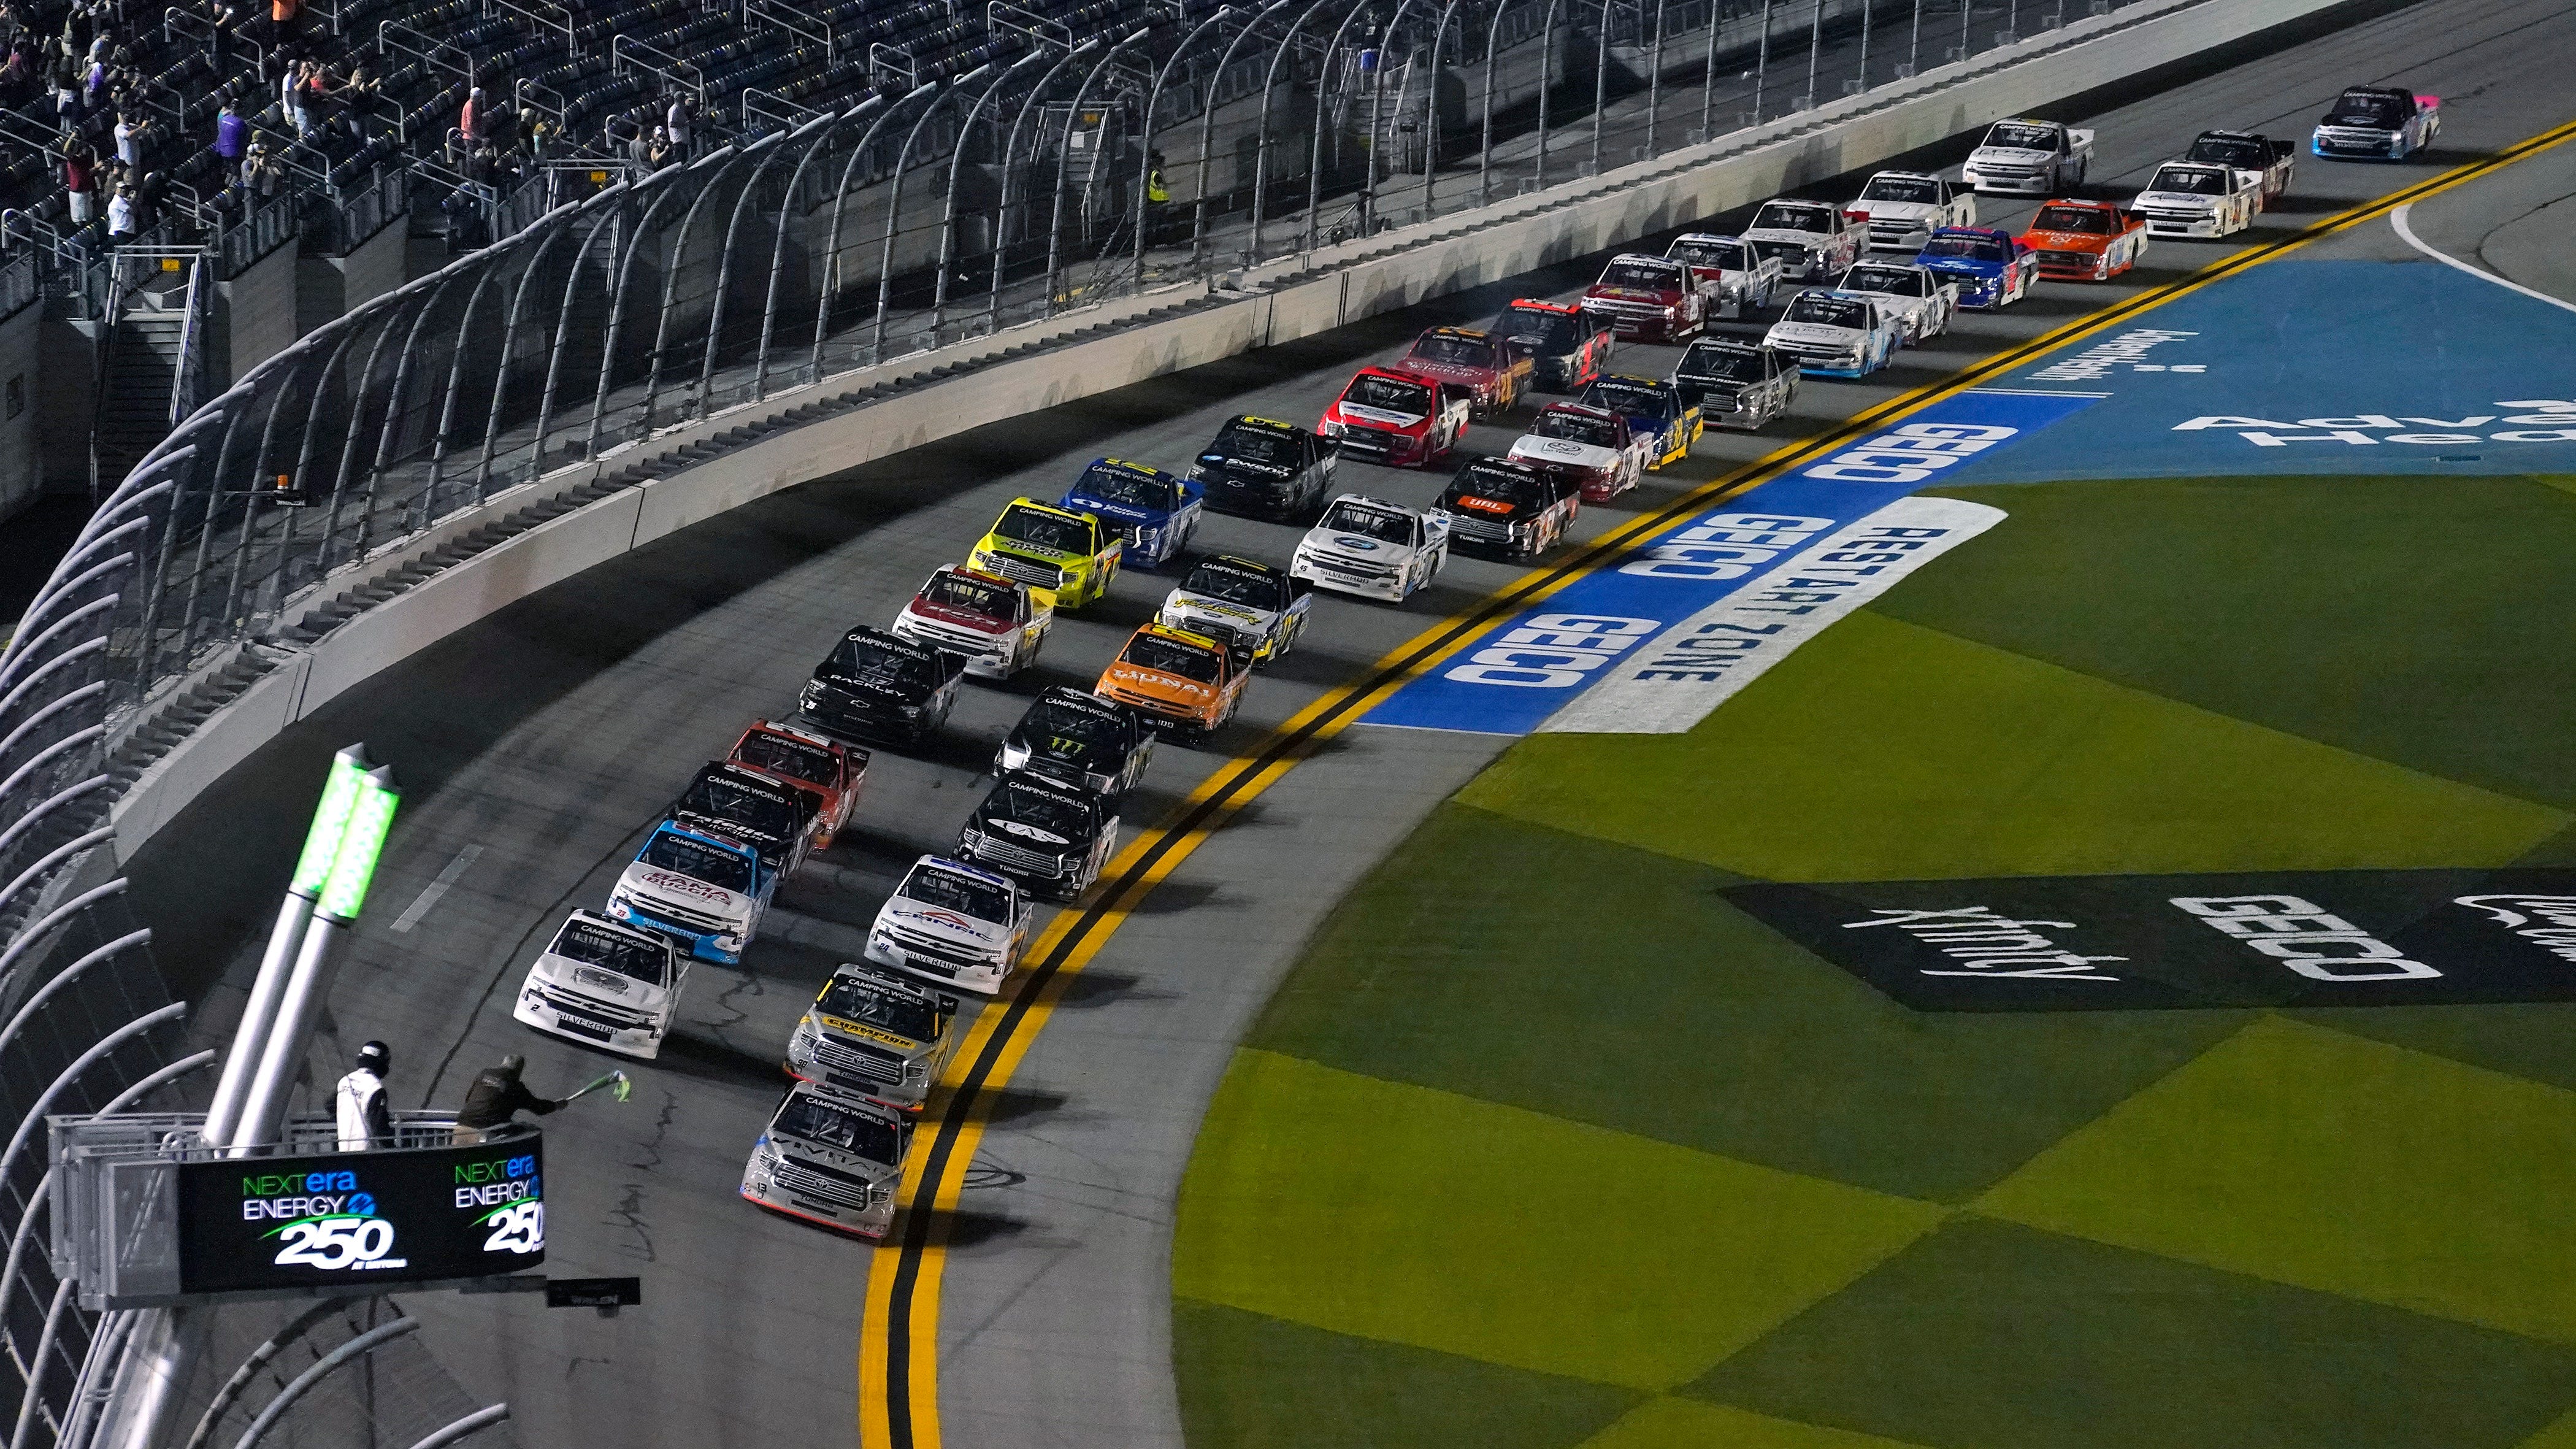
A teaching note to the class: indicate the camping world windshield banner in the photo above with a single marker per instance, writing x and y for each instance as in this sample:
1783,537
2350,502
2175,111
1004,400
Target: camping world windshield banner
2096,943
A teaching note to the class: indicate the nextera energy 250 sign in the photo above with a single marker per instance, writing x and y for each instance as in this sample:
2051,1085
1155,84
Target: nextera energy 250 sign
395,1215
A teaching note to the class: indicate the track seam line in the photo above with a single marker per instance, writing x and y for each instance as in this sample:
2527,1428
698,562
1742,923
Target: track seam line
898,1334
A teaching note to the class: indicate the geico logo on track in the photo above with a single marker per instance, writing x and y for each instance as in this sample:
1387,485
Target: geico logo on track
2515,913
1724,546
1552,651
2303,936
2547,420
1911,453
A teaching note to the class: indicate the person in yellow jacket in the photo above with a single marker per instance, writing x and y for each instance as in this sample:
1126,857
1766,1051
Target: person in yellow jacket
1158,197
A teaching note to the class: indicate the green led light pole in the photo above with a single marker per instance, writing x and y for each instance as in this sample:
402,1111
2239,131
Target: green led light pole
343,890
340,791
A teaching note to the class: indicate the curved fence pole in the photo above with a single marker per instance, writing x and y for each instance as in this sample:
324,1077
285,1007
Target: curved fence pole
1546,85
349,447
778,243
502,364
563,335
1485,159
777,144
1261,133
54,857
34,931
61,979
1431,109
1708,71
101,1048
269,1348
309,442
948,211
302,1383
1010,148
1601,82
729,157
480,1419
456,380
1315,158
37,1365
1762,61
106,1348
394,407
1815,52
840,200
1064,161
1655,79
1207,127
1145,132
635,244
1377,100
46,670
894,209
43,1195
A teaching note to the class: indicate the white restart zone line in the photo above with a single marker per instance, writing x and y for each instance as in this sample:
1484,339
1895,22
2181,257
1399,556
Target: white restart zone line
1673,683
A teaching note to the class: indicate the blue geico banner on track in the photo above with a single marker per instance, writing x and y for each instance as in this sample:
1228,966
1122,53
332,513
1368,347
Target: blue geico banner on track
1529,667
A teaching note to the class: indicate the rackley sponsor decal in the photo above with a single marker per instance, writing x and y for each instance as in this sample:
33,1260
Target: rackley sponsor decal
2076,943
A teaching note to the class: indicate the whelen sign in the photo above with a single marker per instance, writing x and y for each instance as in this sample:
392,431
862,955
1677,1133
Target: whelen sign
393,1215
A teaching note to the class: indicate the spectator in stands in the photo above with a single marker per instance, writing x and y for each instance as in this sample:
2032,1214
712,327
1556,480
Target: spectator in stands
281,18
80,181
147,200
639,148
659,153
261,173
472,121
16,71
232,139
291,94
677,124
120,215
132,131
67,93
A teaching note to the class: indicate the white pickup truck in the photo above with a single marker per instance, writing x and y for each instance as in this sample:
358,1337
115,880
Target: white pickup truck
2022,157
1904,208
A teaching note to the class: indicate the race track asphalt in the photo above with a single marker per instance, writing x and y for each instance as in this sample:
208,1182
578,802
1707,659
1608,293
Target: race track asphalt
537,747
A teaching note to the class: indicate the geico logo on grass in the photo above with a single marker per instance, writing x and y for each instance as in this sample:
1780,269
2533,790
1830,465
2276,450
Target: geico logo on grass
2558,937
1724,546
1911,453
1985,944
1552,651
2545,420
2305,937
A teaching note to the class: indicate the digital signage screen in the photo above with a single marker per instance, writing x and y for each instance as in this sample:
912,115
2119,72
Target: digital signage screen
387,1215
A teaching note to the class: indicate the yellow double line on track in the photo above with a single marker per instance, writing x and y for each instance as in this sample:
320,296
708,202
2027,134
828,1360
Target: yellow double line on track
899,1332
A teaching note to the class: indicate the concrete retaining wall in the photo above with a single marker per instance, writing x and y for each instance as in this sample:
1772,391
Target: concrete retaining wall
1282,302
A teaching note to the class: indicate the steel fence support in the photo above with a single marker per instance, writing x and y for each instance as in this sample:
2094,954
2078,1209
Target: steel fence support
778,245
1762,62
61,979
894,210
1708,74
1431,109
1207,128
777,142
1546,88
1145,131
480,1419
1655,79
1600,83
308,442
394,407
1377,100
101,1048
563,336
33,932
1865,8
1002,201
1064,161
948,209
54,857
840,200
106,1347
640,238
276,1408
63,625
349,449
34,1396
483,276
1914,42
509,344
269,1348
1815,52
46,670
1261,132
1315,157
671,276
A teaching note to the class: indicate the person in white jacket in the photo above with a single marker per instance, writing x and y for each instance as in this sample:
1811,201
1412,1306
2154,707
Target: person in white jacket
366,1114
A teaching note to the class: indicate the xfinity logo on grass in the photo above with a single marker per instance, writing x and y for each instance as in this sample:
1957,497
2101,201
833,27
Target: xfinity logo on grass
2284,939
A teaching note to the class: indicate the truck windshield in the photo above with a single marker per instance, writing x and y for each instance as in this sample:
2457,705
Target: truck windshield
1731,364
1235,585
780,755
1450,350
588,944
1921,189
871,659
811,1119
1887,281
1492,480
1731,256
1255,445
1171,656
1013,800
858,999
2191,180
1076,733
1576,428
1388,394
2242,152
1619,395
1827,311
1641,277
1779,216
737,803
2381,112
1021,524
1350,517
1973,248
2021,136
1112,484
946,890
974,596
2082,219
679,854
1554,331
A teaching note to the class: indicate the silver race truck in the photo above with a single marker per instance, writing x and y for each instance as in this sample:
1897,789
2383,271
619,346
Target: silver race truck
2023,157
829,1158
876,1035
